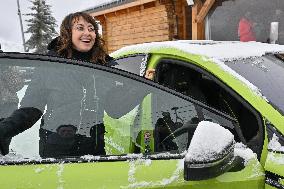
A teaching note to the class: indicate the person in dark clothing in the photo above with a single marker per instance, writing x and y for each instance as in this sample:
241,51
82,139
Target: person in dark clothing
66,142
70,97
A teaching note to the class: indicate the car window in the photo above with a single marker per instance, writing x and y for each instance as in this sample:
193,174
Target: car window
91,111
266,73
202,86
135,63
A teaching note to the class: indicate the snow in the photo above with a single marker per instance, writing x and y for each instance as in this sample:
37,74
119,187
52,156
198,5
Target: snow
215,51
275,145
99,3
208,140
90,157
275,158
223,51
24,143
163,182
8,46
60,175
244,152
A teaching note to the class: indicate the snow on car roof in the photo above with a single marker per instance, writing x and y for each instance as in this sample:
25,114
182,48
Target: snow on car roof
221,50
217,51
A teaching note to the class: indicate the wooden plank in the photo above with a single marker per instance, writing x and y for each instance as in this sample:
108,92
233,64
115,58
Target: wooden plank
184,22
125,6
197,28
204,10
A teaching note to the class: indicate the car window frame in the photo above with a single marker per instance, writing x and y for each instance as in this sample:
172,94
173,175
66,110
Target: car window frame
143,64
224,86
112,70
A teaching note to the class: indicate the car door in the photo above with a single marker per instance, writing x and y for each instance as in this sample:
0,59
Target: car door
100,128
178,84
266,77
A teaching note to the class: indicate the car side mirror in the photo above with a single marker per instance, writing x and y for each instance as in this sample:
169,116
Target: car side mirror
210,153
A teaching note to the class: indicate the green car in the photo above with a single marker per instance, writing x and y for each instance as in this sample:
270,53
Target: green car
211,118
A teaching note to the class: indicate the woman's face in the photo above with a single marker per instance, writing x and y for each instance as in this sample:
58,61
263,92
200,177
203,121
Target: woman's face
83,35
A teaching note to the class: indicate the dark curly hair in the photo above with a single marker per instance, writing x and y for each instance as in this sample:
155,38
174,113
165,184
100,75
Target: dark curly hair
65,39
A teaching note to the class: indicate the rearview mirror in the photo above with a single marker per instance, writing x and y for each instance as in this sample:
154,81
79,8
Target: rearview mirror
210,153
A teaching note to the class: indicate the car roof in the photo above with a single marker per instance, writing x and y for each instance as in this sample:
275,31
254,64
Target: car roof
221,50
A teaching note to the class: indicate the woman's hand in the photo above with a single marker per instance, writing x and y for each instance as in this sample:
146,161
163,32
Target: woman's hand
150,73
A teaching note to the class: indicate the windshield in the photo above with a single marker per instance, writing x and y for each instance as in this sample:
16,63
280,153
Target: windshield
267,74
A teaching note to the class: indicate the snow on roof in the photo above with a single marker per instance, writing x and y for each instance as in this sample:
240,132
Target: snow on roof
223,51
104,4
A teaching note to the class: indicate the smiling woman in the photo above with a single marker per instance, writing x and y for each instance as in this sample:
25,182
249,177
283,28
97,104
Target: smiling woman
83,35
79,39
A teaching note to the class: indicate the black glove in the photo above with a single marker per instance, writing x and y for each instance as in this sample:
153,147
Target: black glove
21,120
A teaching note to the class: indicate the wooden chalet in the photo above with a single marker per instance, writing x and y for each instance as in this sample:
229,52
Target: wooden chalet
126,22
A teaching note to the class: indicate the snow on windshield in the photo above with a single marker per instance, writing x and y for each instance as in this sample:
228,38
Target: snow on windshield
208,140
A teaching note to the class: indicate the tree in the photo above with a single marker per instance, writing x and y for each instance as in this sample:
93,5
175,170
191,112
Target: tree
41,26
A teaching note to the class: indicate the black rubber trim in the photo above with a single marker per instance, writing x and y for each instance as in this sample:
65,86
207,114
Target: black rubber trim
272,180
88,159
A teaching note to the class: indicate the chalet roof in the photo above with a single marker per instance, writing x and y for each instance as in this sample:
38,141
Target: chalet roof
107,5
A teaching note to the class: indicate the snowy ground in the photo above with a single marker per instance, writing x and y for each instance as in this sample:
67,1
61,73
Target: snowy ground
24,143
8,46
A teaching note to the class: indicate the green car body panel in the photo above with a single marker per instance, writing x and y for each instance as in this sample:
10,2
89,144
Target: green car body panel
146,173
121,174
271,161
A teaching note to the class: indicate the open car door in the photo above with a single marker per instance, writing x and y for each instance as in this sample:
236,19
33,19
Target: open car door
71,124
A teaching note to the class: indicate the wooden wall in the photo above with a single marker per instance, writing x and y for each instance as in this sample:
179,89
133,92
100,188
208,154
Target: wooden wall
159,20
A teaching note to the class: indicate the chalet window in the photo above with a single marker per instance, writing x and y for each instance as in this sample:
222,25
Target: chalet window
246,20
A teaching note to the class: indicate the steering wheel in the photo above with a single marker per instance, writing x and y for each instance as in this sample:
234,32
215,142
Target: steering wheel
188,127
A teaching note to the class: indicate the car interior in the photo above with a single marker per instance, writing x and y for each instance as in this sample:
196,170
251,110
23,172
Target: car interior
200,86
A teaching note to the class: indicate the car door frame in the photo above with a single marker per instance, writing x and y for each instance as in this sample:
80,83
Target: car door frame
154,61
124,74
